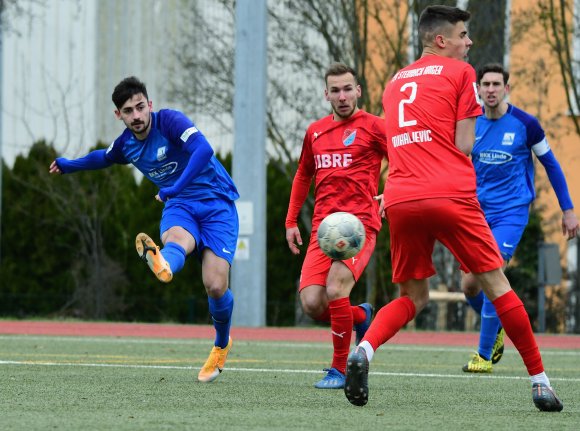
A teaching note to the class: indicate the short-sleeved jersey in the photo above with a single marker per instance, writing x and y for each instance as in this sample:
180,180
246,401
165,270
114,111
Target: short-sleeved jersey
422,104
344,158
165,153
502,157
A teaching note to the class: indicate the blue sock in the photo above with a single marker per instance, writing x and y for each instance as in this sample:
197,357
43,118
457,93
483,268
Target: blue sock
489,326
175,255
221,314
476,302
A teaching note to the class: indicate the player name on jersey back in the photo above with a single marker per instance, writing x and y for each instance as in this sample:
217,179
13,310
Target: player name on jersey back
411,138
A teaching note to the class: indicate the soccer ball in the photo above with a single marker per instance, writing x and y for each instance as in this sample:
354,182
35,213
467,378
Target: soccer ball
341,235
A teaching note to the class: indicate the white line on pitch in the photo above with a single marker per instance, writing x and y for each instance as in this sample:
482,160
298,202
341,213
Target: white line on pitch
273,370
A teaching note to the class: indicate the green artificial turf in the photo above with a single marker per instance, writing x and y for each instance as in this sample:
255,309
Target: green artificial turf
87,383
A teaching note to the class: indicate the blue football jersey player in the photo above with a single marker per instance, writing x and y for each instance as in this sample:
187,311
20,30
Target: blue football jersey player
506,141
199,213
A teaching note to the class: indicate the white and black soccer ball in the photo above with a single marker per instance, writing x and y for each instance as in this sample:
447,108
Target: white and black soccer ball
341,235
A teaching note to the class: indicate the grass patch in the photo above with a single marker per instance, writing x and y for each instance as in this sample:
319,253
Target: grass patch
73,383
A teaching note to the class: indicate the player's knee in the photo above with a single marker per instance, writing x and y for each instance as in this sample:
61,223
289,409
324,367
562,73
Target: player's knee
215,287
312,306
469,286
311,309
179,236
470,290
338,291
214,291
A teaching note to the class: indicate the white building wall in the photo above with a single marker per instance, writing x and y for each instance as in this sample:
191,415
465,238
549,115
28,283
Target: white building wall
49,76
62,59
135,38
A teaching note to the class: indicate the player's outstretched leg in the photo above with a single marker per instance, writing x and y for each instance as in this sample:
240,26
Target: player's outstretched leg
545,398
361,328
150,253
215,363
356,387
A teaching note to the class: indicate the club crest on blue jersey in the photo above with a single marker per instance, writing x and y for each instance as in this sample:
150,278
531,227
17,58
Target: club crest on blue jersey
508,138
348,137
161,153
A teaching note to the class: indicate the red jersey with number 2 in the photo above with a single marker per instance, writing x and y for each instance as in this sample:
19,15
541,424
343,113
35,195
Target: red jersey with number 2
344,158
422,105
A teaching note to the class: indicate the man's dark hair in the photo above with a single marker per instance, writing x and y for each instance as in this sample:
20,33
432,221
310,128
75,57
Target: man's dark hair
494,68
337,69
126,89
433,18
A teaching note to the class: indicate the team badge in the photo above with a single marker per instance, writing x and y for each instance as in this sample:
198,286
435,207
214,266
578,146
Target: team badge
348,137
161,153
508,138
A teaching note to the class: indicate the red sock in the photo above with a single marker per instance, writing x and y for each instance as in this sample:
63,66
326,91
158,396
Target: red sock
516,322
358,314
389,320
341,328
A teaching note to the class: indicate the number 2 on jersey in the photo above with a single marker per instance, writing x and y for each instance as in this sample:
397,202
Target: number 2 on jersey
403,102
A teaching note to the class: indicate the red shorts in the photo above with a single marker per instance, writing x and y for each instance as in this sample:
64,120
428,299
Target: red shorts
459,224
317,265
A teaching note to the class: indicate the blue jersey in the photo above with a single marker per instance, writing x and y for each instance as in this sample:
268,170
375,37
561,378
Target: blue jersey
502,157
164,155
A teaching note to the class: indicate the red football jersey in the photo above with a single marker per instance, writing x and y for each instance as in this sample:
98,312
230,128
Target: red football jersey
344,158
422,105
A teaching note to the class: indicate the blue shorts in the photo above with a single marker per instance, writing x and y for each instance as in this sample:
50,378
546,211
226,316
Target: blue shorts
212,222
508,227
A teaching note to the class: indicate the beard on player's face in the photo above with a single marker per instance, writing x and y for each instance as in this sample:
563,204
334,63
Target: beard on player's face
344,109
140,125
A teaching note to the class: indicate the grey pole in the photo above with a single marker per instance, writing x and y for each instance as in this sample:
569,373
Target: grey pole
249,162
549,273
541,289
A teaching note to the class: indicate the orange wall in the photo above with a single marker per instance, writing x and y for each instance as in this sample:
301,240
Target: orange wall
537,88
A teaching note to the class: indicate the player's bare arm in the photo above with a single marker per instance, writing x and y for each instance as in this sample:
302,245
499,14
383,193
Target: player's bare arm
294,239
570,226
465,135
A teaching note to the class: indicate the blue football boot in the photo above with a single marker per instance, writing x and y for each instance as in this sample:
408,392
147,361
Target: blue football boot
334,379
